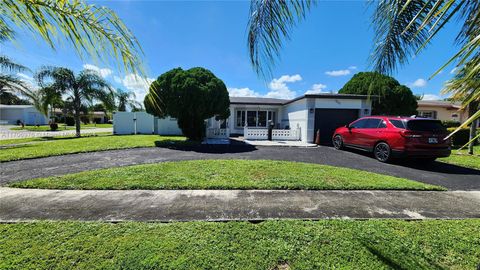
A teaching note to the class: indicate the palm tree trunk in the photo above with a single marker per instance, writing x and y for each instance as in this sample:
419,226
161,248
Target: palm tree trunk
473,107
77,123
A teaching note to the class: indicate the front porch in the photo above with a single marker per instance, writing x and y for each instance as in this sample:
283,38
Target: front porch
219,130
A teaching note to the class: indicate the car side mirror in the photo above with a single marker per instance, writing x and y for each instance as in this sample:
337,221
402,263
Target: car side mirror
349,127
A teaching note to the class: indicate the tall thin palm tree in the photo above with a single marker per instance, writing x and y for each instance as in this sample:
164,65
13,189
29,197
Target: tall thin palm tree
89,28
126,99
81,89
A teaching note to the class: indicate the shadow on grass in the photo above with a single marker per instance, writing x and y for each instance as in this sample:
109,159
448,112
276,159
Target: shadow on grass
193,146
396,260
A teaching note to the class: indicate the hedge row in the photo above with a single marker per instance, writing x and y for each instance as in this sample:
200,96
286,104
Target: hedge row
461,137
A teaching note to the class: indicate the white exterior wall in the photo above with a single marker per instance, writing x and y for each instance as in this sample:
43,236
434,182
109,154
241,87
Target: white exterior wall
27,114
167,126
295,115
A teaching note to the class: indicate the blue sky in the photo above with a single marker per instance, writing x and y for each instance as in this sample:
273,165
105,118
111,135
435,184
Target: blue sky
332,44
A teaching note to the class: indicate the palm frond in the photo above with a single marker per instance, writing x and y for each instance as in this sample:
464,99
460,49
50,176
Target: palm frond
90,29
398,32
270,23
11,83
405,27
7,64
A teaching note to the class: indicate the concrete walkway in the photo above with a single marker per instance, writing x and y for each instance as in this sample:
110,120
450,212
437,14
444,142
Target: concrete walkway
219,205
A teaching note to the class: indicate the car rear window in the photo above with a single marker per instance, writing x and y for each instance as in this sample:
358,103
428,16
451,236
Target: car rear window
425,125
397,123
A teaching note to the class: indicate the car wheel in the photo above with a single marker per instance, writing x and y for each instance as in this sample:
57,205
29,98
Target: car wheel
337,142
382,152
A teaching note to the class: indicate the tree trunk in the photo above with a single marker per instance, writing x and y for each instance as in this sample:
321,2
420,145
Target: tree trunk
77,106
473,107
473,133
77,123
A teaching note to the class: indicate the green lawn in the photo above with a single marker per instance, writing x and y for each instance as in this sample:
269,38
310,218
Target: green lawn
69,145
226,174
61,127
326,244
461,158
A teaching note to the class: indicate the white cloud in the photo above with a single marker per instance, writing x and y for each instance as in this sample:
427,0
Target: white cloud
453,71
352,67
419,83
279,88
431,97
117,79
242,92
336,73
137,84
317,89
104,72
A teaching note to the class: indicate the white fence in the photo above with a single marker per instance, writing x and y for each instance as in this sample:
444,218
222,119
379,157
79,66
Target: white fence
277,134
217,133
132,123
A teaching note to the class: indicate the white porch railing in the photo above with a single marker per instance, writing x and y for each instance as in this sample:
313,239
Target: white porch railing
277,134
218,133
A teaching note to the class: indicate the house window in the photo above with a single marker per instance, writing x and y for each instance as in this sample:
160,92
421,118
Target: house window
240,118
254,118
262,119
428,114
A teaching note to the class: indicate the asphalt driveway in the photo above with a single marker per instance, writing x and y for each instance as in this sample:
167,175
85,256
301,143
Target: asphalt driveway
450,176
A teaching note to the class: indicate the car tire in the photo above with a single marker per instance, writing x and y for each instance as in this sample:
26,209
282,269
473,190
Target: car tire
337,142
382,152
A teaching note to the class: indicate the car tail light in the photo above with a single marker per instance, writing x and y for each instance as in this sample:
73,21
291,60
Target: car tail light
410,134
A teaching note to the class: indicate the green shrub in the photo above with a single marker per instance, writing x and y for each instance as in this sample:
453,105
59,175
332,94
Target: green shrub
451,123
461,137
69,121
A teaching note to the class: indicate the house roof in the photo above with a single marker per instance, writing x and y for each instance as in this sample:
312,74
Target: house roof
439,103
257,100
277,101
3,106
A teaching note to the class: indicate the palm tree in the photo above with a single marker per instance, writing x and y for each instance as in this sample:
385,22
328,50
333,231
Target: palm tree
94,30
125,99
402,29
81,89
45,99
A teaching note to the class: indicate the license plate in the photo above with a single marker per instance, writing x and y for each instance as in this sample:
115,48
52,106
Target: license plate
432,140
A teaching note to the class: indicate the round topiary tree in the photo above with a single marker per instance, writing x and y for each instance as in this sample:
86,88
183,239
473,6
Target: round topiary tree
393,98
191,96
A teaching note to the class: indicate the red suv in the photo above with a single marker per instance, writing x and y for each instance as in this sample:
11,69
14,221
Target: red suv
389,137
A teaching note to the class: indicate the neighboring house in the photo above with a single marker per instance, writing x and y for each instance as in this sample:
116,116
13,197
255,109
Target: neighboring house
99,117
27,114
442,110
296,119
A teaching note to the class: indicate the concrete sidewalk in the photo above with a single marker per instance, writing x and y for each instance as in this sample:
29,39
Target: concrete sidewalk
219,205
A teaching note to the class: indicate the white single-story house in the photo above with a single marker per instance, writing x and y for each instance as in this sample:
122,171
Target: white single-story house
27,114
295,119
305,114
